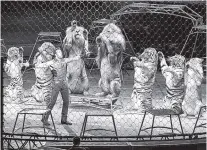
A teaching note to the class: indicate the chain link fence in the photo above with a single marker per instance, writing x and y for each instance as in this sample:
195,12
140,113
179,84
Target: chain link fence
168,28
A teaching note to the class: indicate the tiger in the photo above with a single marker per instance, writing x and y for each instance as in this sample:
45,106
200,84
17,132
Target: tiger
41,91
145,67
14,91
174,77
193,79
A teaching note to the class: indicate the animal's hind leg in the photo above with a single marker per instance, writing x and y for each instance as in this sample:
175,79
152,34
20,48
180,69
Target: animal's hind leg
197,108
104,88
85,82
115,88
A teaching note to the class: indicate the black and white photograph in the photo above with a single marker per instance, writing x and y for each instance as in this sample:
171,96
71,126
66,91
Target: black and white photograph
103,75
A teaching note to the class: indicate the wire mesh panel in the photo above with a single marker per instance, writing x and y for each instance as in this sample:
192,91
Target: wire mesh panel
123,58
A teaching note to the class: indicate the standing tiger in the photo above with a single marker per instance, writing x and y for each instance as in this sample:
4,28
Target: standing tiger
145,67
174,75
193,79
13,67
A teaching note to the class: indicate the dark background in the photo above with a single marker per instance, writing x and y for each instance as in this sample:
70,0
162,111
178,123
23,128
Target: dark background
21,21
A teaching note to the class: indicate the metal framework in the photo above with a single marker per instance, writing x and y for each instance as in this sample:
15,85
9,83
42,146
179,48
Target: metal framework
174,10
182,11
32,140
201,29
20,141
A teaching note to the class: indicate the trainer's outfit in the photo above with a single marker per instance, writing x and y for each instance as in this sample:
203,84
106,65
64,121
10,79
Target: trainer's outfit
60,85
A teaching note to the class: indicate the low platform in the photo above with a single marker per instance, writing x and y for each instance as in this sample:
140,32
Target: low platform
94,101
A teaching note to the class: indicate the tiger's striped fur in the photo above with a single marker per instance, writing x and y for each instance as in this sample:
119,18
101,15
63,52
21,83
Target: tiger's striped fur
13,66
41,91
174,75
145,67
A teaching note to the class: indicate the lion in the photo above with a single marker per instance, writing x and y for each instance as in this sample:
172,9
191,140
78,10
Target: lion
76,43
145,67
13,66
193,79
111,43
174,76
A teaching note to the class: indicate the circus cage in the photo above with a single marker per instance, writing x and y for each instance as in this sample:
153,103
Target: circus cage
170,27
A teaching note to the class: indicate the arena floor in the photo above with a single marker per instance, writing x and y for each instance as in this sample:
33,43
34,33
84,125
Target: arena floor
127,123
